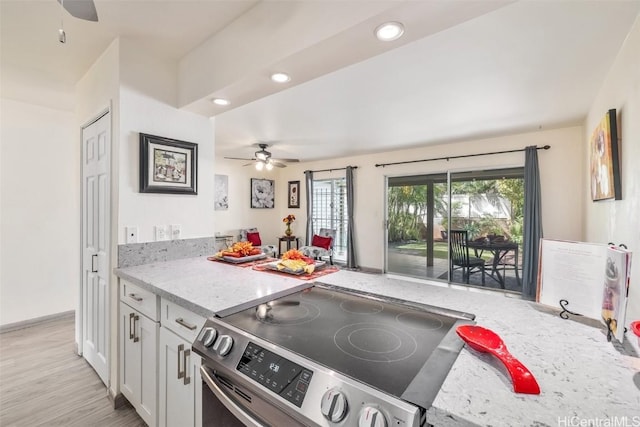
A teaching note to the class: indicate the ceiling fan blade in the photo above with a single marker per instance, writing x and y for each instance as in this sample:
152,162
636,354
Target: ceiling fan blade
82,9
287,160
278,164
239,158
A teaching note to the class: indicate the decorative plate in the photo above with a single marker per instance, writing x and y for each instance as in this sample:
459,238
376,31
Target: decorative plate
240,260
274,266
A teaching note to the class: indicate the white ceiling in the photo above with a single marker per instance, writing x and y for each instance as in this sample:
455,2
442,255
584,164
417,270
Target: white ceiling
463,70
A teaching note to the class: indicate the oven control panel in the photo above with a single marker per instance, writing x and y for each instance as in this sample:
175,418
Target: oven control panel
283,377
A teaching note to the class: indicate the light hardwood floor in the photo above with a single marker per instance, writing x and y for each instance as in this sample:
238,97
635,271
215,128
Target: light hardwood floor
44,383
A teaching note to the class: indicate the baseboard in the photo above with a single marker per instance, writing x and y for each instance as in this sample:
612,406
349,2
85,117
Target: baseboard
370,270
117,399
36,321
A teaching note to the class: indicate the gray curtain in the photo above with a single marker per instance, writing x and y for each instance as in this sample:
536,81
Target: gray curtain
308,179
532,223
351,246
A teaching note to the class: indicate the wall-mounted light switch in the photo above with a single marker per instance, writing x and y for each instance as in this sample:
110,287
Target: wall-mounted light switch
132,234
161,232
176,231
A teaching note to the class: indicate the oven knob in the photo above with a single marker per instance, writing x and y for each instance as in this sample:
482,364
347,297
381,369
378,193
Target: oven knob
209,337
223,345
371,417
334,405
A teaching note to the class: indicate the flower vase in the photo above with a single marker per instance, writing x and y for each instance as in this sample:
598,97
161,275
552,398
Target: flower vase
287,232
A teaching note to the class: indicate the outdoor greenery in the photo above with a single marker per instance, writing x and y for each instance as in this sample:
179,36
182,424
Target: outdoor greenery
439,250
408,209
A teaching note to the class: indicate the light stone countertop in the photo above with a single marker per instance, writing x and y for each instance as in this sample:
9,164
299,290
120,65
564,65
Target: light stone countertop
583,379
208,287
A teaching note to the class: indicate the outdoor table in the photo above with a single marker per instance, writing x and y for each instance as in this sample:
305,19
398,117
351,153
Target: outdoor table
499,250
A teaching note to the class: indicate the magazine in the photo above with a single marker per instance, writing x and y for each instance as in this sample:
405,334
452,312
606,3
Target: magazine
616,290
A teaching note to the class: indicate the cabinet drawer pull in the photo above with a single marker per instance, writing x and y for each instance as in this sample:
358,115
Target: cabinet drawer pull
136,338
180,321
186,354
135,297
131,326
180,372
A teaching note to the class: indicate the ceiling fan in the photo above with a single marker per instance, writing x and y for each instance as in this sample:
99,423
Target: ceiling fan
262,159
82,9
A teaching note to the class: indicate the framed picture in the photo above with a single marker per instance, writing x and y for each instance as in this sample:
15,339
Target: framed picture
262,193
221,197
167,165
605,161
294,194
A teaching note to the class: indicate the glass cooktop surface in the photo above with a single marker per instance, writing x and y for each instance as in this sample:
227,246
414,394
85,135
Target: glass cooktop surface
381,343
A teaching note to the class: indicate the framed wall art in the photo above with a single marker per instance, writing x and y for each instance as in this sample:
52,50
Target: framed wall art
294,194
605,160
221,197
262,193
167,165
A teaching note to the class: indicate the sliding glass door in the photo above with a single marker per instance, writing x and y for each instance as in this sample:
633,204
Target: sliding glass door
485,207
416,239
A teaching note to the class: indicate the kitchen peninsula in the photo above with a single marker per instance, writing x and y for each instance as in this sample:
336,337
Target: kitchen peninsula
581,375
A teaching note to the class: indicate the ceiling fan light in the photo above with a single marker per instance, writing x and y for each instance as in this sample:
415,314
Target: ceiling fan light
261,155
259,166
269,165
389,31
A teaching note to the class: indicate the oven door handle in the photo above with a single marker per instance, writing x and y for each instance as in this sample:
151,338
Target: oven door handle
233,407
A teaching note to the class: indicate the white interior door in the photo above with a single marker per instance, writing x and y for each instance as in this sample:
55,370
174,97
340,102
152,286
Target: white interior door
96,148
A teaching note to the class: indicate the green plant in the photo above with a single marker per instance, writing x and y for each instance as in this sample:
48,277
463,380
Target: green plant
517,230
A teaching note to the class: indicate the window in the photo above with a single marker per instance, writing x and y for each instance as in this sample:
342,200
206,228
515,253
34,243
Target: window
330,211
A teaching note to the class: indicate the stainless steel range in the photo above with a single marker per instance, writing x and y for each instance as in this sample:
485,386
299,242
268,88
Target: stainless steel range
326,356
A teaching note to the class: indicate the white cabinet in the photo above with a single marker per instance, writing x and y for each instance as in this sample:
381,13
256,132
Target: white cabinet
180,389
139,350
159,374
180,382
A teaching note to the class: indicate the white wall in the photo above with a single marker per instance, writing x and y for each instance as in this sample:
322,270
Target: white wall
619,220
40,201
240,215
561,172
147,105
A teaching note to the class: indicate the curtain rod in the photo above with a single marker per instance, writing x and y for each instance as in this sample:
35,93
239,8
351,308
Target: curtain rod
331,170
546,147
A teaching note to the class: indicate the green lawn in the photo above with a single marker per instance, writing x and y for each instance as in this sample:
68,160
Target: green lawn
439,250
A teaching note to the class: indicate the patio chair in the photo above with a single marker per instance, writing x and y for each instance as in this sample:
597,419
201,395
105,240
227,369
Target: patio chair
321,245
459,256
252,235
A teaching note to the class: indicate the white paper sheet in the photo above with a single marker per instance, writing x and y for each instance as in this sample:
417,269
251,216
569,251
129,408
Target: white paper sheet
573,271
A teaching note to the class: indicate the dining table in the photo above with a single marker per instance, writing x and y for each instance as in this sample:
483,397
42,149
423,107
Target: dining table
499,249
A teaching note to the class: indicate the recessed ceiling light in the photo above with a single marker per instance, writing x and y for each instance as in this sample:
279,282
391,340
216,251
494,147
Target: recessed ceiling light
280,77
389,31
220,101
